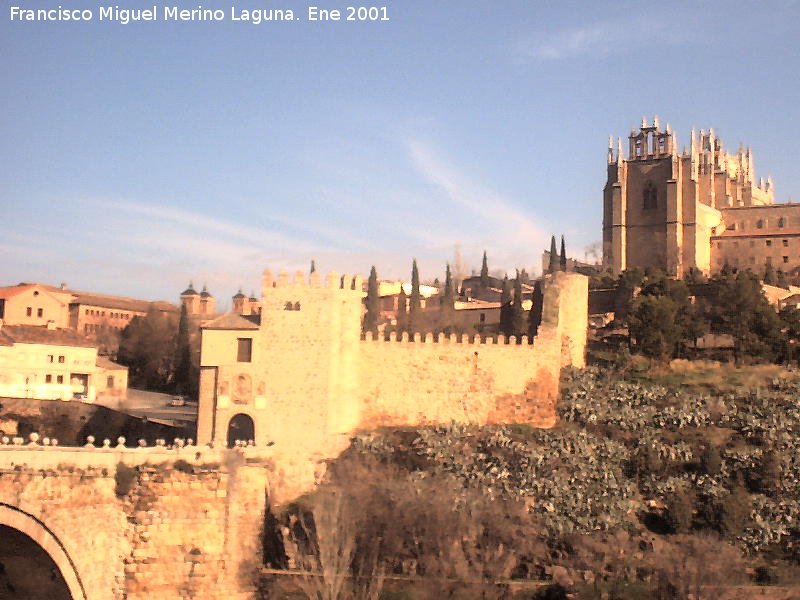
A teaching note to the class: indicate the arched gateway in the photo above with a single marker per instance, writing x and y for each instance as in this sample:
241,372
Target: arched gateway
240,428
41,535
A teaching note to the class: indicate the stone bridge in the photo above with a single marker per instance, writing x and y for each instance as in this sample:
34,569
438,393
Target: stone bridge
163,522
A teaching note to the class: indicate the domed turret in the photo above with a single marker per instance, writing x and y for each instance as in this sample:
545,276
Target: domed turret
206,302
239,301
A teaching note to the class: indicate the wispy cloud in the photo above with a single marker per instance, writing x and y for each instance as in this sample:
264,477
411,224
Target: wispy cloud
513,229
599,38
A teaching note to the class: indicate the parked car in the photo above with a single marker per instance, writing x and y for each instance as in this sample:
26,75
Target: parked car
177,401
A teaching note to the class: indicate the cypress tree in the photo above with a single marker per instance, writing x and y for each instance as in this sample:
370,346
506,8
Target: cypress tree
553,267
506,318
447,302
313,267
372,302
402,314
415,304
770,277
183,369
535,314
484,271
448,293
519,322
563,257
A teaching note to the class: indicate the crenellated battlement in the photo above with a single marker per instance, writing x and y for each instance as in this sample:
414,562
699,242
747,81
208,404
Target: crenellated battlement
333,281
441,338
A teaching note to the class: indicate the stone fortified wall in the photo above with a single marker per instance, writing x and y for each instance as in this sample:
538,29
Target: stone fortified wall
140,523
312,381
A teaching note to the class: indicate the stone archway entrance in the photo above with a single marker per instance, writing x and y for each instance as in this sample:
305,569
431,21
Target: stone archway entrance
33,562
240,427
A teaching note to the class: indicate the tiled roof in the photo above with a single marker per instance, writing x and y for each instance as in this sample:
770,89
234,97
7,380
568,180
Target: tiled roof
5,339
12,290
234,321
105,363
35,334
120,302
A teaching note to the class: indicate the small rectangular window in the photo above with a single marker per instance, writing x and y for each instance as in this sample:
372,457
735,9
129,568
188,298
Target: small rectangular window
50,358
110,381
244,351
39,312
29,311
60,379
61,358
48,378
483,317
769,242
785,243
786,259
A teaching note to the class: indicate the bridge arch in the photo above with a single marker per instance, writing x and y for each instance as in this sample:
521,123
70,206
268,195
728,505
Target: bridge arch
34,528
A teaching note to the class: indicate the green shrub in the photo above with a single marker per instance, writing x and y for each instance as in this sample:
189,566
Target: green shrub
734,512
680,511
711,461
124,479
183,466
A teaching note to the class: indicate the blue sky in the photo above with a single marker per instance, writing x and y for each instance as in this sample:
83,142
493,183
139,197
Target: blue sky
137,157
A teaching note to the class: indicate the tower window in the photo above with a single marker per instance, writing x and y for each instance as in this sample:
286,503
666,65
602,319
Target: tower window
769,242
785,243
785,259
760,224
650,196
781,223
244,352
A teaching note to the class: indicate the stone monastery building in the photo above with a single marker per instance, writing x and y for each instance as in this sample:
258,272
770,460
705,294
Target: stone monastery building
698,208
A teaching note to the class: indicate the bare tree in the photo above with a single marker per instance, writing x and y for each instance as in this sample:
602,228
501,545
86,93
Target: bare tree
332,569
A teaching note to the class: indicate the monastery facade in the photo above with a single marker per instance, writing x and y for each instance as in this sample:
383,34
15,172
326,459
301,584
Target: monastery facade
699,208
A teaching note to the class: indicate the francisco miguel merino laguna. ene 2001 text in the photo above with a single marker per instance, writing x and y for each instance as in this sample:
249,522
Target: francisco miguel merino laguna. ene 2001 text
254,16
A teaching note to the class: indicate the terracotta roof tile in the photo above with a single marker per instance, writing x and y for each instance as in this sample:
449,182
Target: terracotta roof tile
234,321
35,334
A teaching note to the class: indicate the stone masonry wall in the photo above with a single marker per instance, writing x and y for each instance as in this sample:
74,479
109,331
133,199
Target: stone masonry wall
194,535
167,523
410,383
79,506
